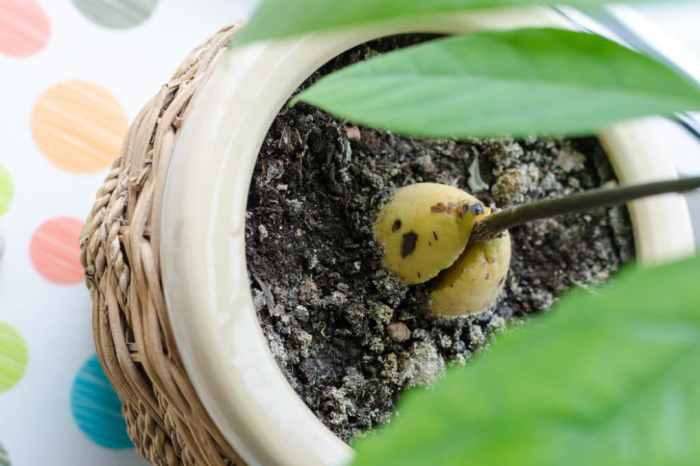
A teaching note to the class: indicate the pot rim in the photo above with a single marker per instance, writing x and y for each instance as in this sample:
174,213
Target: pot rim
203,212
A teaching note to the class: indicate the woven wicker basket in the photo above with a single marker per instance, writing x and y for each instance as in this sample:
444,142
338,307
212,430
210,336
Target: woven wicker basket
135,344
128,257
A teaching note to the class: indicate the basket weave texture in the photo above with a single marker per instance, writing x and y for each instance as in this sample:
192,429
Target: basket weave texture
120,253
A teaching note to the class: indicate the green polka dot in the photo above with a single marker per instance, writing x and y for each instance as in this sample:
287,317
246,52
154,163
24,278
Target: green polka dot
13,357
116,14
7,189
4,457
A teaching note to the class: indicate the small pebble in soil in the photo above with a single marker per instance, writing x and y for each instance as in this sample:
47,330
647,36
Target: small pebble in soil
348,335
399,332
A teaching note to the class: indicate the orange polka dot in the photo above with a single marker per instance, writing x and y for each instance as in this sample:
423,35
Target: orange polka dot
24,28
79,126
55,251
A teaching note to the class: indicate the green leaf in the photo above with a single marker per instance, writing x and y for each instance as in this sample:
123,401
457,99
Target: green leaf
276,19
521,82
607,379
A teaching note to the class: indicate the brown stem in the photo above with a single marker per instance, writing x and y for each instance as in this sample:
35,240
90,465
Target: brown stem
604,197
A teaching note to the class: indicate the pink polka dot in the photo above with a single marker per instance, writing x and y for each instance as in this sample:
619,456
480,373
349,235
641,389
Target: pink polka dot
24,28
55,251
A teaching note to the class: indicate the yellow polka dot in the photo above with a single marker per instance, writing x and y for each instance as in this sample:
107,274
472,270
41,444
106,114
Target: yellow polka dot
79,126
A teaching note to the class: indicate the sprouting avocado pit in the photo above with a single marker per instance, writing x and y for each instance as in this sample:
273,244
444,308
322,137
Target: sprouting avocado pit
472,276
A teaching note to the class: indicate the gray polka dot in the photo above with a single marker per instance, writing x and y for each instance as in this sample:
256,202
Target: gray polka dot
116,14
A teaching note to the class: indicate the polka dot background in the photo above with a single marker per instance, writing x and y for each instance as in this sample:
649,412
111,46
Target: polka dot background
7,189
117,14
79,126
96,408
2,242
55,250
13,357
24,28
74,74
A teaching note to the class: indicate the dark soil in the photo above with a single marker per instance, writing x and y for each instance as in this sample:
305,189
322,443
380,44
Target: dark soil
348,336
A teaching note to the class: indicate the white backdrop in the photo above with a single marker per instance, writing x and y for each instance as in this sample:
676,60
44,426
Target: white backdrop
57,412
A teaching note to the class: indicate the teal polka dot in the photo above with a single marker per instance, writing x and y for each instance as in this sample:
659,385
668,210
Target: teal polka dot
7,189
97,409
4,457
116,14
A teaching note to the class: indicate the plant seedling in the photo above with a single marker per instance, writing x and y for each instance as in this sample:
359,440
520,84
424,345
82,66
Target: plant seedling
622,391
440,234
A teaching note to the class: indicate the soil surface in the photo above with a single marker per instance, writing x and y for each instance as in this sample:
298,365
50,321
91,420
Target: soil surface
350,337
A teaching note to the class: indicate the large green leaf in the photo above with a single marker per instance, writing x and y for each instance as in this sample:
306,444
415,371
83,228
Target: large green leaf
521,82
282,18
607,379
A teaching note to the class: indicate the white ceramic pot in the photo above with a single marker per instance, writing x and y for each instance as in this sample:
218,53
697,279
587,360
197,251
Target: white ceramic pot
203,219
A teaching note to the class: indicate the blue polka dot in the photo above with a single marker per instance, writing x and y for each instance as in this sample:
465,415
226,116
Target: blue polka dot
97,409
